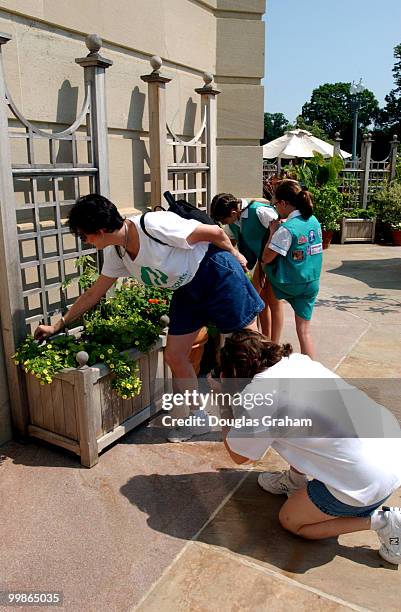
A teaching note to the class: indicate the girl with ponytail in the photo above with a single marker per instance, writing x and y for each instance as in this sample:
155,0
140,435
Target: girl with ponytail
293,257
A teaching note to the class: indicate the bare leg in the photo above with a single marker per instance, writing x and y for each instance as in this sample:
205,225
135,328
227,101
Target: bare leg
304,336
277,314
176,355
258,280
300,516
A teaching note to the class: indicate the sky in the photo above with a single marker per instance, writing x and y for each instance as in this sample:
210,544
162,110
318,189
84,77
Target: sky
311,42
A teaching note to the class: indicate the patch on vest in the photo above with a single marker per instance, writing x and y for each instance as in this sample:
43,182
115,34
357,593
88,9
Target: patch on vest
302,240
316,248
298,255
312,236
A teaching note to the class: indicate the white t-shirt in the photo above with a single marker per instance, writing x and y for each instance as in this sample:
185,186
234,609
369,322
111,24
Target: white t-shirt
265,214
358,471
282,237
157,264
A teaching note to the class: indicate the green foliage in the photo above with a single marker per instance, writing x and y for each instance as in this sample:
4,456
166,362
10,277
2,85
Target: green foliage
331,105
89,273
131,318
387,204
317,171
275,125
360,213
327,205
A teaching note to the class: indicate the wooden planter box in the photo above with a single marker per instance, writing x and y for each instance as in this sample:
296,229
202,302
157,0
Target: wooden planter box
80,411
357,230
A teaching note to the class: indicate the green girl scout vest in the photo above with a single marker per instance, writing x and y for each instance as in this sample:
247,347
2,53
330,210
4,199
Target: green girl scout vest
251,235
303,262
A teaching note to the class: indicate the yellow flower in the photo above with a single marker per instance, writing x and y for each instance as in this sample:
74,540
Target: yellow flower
124,397
128,385
109,351
111,366
101,356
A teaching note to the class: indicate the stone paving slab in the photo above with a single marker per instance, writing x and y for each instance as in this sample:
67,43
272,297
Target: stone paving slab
206,579
103,536
347,567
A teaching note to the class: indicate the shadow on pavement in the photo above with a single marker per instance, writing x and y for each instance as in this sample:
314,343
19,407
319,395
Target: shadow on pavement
376,273
372,302
247,524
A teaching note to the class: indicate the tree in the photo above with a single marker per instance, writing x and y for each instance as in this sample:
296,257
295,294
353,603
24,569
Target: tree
389,118
331,105
275,124
314,128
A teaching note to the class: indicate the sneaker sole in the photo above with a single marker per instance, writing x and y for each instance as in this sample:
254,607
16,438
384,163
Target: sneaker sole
262,486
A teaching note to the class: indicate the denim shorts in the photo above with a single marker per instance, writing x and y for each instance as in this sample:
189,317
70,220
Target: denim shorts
220,293
321,497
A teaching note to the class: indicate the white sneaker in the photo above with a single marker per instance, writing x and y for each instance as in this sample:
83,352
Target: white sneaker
282,483
390,536
185,433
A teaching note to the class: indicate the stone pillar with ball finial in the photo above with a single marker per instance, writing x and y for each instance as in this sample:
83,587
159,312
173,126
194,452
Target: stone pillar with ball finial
157,130
208,95
337,144
95,66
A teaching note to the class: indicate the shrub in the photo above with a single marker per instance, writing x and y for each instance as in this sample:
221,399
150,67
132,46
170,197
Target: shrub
387,204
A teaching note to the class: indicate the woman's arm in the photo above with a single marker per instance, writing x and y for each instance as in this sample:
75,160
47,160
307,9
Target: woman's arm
85,302
217,236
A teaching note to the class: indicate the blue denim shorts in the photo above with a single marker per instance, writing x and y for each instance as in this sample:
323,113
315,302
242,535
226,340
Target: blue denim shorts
220,293
321,497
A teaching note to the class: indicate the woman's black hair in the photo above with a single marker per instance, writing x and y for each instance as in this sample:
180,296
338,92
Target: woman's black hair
290,191
94,212
248,352
222,206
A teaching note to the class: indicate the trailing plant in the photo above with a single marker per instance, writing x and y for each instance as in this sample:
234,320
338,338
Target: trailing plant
133,317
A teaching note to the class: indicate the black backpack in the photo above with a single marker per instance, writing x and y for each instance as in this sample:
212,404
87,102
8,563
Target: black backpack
179,207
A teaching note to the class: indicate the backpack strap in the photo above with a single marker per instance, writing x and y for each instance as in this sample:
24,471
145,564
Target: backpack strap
145,231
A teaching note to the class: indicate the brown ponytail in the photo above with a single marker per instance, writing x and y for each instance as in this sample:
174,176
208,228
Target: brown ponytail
247,353
291,191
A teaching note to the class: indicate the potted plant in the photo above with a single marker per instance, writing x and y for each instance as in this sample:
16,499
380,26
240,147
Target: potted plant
387,204
119,377
358,225
327,207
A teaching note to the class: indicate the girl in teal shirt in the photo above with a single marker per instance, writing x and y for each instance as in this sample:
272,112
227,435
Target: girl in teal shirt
293,257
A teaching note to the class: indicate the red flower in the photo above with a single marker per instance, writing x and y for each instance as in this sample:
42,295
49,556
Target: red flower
153,301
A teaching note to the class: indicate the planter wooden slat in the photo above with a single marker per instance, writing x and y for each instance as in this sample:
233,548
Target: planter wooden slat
81,412
47,407
58,406
70,418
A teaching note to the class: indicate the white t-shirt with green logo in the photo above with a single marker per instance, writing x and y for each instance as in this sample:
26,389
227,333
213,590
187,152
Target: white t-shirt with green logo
158,265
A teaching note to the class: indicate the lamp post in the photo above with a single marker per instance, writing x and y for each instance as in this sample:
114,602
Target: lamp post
355,89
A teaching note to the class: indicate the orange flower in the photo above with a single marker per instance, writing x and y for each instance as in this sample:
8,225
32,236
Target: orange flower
153,301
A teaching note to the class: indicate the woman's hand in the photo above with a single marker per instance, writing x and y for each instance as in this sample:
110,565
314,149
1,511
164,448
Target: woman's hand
274,225
42,331
241,259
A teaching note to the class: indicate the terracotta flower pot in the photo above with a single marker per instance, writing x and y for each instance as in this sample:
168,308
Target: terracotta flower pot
198,347
327,236
396,236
